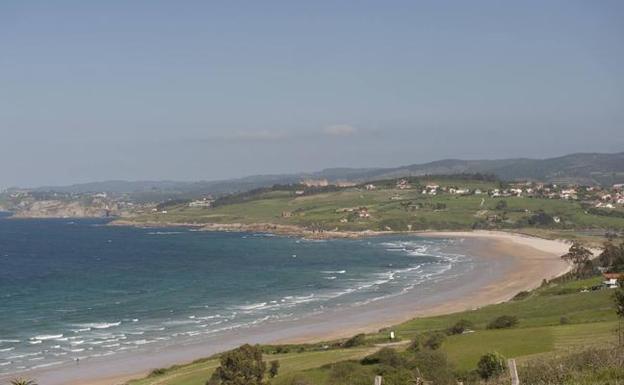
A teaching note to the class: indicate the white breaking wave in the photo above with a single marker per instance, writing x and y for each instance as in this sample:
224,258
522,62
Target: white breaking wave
97,325
45,337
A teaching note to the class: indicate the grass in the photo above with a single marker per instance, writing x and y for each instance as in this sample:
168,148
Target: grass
591,317
392,209
198,373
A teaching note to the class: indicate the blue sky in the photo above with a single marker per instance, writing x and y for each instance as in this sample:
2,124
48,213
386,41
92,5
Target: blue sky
208,90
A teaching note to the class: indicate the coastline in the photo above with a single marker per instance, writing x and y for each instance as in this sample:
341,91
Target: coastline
510,263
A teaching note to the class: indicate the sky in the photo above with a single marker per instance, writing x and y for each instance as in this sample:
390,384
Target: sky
205,90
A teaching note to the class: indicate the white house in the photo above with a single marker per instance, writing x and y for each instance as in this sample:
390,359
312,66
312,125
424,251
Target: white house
611,280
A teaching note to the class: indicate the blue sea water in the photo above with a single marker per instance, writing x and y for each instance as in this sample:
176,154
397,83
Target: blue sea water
81,289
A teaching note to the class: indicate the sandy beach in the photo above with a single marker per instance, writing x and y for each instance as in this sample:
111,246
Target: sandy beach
506,264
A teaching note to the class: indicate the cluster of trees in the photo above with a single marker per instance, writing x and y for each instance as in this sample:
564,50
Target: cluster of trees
611,259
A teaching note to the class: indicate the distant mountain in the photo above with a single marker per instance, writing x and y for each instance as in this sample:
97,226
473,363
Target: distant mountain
581,168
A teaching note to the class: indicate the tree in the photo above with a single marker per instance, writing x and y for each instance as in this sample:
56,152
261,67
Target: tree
241,366
612,257
22,381
491,365
580,257
501,205
274,368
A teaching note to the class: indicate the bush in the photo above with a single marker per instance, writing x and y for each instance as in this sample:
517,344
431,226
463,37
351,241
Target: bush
460,327
157,372
356,340
385,356
564,320
503,322
521,295
584,367
348,372
416,344
274,368
434,340
400,376
434,366
491,365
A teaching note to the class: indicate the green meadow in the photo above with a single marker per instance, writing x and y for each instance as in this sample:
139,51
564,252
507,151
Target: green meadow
393,209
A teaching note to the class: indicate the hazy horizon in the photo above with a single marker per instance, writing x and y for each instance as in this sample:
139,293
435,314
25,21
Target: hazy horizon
197,91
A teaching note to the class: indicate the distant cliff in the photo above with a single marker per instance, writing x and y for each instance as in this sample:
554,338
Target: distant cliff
65,209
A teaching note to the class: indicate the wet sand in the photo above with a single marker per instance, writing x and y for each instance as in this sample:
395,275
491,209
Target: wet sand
504,264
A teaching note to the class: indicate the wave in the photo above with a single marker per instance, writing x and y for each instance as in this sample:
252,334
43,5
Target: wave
334,272
97,325
254,306
45,337
7,349
164,232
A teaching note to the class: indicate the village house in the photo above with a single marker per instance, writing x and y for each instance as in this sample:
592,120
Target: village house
459,191
315,182
204,202
402,184
611,279
370,187
568,194
431,189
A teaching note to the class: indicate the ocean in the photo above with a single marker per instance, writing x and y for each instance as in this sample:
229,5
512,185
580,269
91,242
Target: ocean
79,289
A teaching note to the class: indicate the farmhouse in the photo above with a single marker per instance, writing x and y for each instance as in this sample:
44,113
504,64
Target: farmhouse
611,279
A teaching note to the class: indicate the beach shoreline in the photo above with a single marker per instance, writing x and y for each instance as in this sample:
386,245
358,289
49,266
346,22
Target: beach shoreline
510,263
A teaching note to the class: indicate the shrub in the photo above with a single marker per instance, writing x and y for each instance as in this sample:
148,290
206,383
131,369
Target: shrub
460,326
385,356
434,340
400,376
158,372
416,344
564,320
356,340
274,368
349,372
433,365
503,322
491,365
591,365
521,295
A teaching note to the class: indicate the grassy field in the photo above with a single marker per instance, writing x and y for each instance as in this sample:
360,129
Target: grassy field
392,209
555,318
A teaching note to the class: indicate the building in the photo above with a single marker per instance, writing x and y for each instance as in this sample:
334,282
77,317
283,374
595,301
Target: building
611,279
315,182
